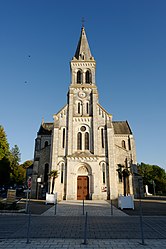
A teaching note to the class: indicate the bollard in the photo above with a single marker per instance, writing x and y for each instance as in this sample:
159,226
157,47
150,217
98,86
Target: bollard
83,206
27,191
28,229
85,230
141,220
55,205
111,208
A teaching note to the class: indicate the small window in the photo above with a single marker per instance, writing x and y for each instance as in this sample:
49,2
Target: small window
63,138
62,172
79,141
102,137
83,128
46,172
79,107
86,141
103,171
87,107
123,144
126,163
46,144
129,143
88,77
79,77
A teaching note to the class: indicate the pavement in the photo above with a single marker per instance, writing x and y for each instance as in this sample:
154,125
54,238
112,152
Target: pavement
63,226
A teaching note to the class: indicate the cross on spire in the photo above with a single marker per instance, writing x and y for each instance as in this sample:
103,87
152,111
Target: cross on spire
83,21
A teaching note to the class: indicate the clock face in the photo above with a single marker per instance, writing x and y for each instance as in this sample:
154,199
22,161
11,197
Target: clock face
82,94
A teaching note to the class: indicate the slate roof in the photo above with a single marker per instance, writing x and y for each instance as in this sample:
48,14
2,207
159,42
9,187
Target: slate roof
83,47
46,129
121,127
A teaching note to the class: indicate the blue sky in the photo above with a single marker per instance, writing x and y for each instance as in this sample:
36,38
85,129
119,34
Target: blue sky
38,38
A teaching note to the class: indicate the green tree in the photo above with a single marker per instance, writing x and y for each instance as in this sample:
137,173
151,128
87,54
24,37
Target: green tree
4,146
53,174
17,173
4,171
27,164
154,177
4,158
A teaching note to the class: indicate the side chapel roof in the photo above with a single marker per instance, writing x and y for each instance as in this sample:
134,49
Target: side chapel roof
121,127
46,129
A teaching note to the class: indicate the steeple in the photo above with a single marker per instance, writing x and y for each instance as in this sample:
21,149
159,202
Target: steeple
83,64
83,51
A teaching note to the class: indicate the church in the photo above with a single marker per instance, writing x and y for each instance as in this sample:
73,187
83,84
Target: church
95,157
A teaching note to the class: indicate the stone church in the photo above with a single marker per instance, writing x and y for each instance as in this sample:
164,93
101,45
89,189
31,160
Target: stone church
94,155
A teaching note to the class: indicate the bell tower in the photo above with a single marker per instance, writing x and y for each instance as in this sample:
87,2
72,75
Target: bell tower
82,99
83,65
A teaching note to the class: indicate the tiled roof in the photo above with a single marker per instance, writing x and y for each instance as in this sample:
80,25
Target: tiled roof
121,127
46,129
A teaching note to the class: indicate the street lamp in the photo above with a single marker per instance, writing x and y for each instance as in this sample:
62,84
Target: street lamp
38,181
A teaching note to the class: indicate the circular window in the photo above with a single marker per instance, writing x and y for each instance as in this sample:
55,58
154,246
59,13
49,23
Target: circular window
83,128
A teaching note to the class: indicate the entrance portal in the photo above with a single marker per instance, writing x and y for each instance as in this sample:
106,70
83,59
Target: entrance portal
82,188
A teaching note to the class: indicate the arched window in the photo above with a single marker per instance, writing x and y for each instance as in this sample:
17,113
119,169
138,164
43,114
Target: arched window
103,171
86,141
129,143
79,107
79,77
87,107
102,137
79,141
46,168
46,144
88,77
123,144
63,138
62,172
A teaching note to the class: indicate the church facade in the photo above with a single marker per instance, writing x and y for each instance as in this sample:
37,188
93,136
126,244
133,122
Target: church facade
94,155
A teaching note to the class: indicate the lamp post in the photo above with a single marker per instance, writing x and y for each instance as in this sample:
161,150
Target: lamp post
154,189
38,181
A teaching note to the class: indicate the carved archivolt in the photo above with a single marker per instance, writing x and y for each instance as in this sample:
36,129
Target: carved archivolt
82,170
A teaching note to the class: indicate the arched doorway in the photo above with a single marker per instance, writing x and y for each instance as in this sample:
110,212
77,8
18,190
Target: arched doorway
82,188
83,183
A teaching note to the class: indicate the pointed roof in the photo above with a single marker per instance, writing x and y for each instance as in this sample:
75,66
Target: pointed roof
83,51
121,127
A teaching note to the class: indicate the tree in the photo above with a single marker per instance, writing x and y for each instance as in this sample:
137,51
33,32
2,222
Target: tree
4,158
53,174
10,170
27,164
154,177
4,146
17,175
4,171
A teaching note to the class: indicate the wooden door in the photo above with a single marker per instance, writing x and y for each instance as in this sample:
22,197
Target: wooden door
82,188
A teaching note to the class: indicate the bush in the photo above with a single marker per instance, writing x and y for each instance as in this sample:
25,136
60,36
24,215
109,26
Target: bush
7,206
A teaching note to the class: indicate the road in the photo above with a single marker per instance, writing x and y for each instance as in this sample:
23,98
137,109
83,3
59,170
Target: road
125,227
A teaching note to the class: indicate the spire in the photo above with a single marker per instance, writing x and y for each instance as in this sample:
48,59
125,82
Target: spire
83,51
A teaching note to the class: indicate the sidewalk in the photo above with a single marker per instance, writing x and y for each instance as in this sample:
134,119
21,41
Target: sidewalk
66,228
77,244
75,208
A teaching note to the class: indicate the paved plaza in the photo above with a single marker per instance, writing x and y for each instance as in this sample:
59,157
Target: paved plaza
77,208
64,227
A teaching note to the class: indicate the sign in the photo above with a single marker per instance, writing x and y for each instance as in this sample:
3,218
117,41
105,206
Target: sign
104,189
39,179
51,198
11,195
29,182
125,202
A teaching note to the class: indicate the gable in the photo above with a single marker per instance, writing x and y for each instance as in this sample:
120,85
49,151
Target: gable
121,127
